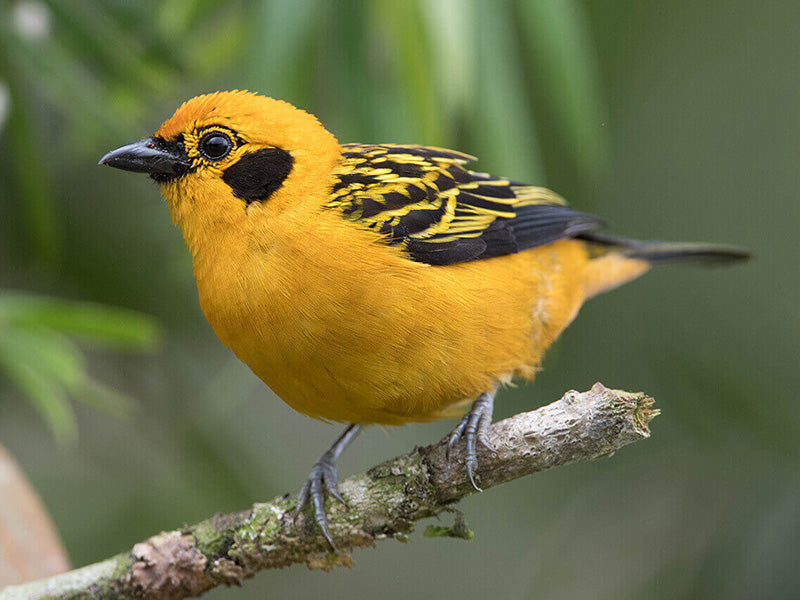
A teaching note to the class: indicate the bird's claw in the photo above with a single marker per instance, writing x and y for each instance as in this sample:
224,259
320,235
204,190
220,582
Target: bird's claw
324,479
473,428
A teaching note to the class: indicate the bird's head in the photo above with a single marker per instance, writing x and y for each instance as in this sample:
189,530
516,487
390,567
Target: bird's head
230,157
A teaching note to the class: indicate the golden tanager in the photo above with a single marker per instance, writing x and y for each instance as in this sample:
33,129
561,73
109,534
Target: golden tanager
375,283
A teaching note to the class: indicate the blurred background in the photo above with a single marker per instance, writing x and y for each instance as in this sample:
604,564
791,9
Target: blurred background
675,121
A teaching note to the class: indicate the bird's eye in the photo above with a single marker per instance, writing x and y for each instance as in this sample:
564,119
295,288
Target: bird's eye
215,145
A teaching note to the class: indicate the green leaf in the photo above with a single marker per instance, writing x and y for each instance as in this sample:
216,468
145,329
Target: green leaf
177,17
503,124
52,70
48,367
29,171
43,367
111,327
560,48
212,45
94,36
49,353
282,32
452,56
110,401
401,28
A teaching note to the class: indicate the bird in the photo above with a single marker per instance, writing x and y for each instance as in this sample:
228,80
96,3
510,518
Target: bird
376,283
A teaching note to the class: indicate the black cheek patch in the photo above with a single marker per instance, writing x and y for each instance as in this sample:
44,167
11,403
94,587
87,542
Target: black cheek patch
256,176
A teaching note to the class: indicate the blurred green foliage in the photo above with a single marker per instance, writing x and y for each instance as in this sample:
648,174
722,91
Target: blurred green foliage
39,356
673,121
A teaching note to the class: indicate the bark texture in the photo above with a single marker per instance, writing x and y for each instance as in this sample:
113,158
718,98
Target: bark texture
385,501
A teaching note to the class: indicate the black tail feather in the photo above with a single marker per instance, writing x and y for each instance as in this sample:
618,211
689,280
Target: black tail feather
671,252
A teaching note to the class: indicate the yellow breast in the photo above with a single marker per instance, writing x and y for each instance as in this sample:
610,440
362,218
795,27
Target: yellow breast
345,328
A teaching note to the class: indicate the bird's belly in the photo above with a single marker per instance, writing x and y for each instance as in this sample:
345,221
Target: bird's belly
397,346
353,373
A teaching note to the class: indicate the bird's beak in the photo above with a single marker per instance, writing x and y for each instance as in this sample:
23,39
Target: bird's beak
162,159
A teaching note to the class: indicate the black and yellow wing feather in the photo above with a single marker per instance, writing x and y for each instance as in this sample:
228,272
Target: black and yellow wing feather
442,213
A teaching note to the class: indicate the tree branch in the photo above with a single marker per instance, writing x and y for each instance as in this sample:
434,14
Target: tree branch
385,501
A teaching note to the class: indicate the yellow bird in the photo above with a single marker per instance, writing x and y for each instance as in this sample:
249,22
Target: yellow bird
375,283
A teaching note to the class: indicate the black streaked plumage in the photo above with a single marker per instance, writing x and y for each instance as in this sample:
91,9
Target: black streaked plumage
443,213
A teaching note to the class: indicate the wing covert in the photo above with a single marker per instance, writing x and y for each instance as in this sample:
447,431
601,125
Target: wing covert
442,213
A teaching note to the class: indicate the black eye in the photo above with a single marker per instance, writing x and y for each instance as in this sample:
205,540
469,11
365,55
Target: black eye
215,145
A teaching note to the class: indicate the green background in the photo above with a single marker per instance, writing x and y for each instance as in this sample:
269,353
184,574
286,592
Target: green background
675,120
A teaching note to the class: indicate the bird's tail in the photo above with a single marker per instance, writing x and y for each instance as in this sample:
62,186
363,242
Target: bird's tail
670,252
617,260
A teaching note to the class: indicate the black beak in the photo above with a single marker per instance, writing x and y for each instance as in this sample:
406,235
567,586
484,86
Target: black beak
162,159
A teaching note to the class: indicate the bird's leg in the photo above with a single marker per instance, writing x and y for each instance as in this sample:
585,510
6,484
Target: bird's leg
474,427
325,478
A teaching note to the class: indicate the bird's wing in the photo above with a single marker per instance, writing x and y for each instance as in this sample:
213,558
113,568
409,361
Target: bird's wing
442,213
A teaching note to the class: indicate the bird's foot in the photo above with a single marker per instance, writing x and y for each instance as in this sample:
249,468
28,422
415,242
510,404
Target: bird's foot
474,427
324,478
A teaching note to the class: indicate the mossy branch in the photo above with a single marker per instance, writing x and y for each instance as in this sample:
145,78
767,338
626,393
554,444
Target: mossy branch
383,502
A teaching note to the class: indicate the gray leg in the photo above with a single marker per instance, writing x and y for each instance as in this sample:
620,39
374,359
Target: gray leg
324,477
474,427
